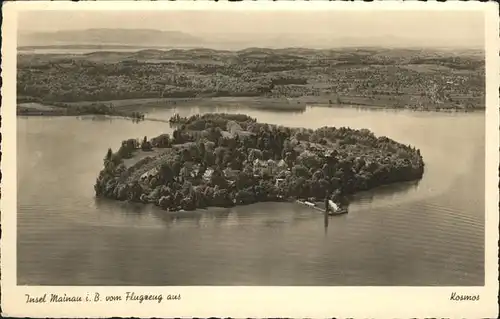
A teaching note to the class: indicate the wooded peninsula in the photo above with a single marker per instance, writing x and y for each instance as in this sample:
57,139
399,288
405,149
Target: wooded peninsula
224,160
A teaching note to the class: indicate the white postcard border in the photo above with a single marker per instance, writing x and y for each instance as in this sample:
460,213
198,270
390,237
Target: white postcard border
356,302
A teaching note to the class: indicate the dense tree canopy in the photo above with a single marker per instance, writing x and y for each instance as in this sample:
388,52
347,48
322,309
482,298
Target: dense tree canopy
203,164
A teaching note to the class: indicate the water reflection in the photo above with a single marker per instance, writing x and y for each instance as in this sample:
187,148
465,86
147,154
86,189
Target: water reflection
386,192
284,110
326,221
96,118
214,215
107,118
273,215
128,209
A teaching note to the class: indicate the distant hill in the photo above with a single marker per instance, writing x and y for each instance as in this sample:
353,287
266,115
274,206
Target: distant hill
108,39
129,37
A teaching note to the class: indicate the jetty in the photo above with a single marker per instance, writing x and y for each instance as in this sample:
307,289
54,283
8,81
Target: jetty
332,209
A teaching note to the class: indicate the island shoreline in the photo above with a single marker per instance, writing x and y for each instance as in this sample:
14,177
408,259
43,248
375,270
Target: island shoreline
249,162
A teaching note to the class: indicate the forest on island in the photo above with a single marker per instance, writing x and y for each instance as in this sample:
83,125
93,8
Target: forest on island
231,159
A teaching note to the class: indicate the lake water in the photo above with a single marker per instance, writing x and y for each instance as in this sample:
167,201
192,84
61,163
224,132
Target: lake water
426,233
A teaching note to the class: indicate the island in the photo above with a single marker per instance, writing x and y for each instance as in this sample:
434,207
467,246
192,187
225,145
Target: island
223,160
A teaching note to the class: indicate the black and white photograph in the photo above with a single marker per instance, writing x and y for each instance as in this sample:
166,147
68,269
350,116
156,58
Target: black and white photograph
253,147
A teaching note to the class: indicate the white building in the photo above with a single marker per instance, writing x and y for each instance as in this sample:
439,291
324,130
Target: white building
150,173
208,174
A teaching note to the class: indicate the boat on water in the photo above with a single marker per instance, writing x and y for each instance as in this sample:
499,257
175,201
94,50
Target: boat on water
334,209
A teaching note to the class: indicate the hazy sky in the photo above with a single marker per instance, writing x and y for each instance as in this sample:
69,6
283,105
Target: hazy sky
433,25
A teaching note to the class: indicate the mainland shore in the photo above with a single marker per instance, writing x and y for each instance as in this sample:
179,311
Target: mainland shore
287,79
139,108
